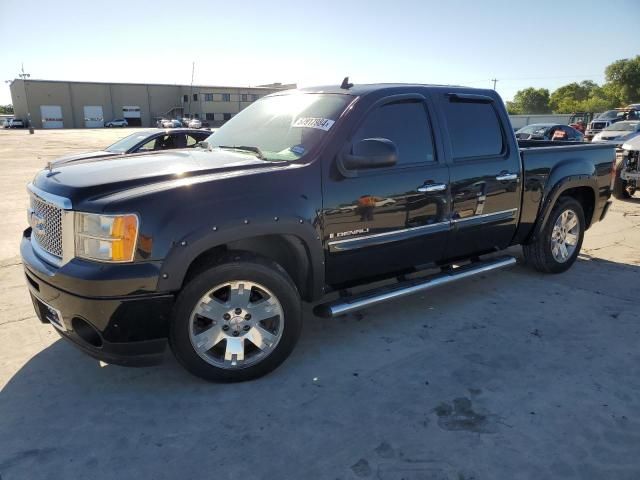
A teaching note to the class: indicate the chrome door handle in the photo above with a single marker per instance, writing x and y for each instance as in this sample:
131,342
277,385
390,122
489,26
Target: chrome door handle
503,177
432,187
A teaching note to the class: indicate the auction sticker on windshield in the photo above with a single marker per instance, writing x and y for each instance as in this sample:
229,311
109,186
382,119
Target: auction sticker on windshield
311,122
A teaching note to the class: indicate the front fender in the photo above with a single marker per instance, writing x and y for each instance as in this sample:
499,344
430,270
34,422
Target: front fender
185,251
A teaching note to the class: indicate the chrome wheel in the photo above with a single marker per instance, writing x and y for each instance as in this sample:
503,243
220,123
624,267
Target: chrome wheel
565,235
236,324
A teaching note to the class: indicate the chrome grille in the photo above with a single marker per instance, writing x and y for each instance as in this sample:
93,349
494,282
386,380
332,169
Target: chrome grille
49,237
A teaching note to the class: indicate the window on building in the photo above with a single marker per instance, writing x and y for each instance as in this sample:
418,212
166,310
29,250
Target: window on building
195,97
244,97
474,129
404,123
185,98
210,116
254,97
226,116
226,97
196,115
208,97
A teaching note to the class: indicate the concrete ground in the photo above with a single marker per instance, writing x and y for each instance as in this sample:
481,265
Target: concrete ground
516,375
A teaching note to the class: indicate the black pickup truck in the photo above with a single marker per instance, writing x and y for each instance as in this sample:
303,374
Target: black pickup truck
304,193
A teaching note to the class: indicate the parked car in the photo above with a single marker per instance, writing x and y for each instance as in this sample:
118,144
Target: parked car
627,170
174,123
118,122
619,132
13,123
549,131
195,123
608,118
141,142
212,251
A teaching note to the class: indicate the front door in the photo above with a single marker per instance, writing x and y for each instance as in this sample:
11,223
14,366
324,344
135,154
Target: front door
485,175
387,220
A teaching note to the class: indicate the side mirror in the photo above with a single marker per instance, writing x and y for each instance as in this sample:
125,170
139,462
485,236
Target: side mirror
371,153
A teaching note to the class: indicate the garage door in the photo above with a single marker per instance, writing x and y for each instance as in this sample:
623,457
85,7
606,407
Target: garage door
51,116
93,117
132,114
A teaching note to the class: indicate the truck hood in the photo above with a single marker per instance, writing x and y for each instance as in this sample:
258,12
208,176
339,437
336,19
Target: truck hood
633,144
81,156
99,176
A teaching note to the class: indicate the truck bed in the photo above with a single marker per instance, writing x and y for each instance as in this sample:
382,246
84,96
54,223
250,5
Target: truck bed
546,163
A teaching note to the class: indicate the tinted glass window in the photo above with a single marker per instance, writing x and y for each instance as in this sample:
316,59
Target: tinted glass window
474,129
404,123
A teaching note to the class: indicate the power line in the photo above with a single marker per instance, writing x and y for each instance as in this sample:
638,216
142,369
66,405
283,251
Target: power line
537,78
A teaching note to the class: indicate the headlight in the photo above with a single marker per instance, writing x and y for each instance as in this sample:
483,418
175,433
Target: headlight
106,238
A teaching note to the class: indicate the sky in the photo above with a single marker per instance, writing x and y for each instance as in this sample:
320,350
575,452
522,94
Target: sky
546,43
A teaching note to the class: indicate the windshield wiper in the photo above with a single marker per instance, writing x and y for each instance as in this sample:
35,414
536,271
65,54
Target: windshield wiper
245,148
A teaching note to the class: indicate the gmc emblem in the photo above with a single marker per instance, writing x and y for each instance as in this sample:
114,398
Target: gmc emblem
36,222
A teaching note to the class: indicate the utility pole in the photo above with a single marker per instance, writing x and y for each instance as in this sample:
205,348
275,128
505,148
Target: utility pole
494,80
193,67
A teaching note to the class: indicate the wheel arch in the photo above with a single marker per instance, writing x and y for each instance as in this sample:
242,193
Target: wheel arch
297,251
583,188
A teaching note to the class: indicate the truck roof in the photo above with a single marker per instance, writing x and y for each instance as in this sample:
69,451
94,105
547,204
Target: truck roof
365,88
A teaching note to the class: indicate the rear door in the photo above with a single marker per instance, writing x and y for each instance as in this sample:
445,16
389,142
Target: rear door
386,220
485,174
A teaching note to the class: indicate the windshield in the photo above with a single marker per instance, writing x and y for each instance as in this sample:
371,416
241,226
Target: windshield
609,114
534,129
121,146
624,126
282,127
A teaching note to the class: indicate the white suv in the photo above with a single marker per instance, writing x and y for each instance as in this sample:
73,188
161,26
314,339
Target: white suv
118,122
13,123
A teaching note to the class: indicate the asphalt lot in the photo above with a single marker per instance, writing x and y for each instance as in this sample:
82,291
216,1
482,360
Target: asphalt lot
516,375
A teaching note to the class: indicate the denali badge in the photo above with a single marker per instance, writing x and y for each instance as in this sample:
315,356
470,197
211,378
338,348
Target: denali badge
348,233
36,222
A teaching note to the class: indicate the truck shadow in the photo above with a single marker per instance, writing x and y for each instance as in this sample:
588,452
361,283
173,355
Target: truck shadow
62,406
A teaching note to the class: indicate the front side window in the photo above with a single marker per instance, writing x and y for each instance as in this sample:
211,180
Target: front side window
282,127
474,129
406,124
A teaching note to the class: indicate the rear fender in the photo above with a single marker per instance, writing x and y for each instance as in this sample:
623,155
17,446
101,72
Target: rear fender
571,173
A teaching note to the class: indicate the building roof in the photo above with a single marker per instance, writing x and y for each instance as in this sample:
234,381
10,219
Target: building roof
272,86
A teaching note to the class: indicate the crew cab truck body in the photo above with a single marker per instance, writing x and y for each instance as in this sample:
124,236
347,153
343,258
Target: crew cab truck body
303,193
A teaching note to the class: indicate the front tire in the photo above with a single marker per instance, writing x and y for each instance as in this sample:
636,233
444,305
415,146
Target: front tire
237,320
622,189
556,248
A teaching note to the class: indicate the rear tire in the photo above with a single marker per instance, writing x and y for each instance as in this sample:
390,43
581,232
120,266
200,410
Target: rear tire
226,310
556,248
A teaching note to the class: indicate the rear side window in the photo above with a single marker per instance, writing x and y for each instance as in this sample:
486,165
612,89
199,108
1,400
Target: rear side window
474,129
404,123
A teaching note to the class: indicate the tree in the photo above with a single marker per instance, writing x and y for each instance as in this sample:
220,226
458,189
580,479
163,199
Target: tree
623,79
585,96
6,109
530,101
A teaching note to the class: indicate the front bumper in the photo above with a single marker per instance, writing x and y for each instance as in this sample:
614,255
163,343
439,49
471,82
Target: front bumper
108,311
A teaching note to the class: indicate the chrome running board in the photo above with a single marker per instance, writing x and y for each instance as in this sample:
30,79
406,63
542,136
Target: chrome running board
373,297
